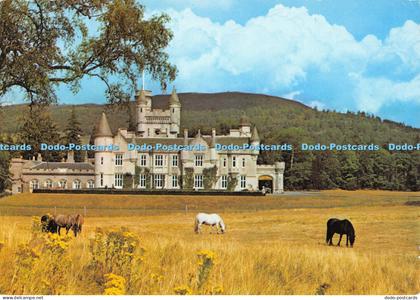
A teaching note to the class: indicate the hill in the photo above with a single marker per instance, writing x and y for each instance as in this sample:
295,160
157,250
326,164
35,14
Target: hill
279,121
222,110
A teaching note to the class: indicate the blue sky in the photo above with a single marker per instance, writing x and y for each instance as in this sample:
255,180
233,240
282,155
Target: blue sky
335,54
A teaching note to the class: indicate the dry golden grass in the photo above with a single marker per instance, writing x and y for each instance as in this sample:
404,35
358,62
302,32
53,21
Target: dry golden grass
273,245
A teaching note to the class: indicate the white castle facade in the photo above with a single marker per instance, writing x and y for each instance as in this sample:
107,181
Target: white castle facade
199,165
164,158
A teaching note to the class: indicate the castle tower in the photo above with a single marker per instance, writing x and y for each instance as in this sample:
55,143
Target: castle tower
255,138
104,172
144,106
175,112
245,126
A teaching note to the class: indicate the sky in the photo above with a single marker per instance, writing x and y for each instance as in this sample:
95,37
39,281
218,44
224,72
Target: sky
333,54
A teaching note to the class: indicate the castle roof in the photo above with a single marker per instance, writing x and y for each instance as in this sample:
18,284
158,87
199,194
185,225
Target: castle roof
63,165
102,128
254,136
174,98
198,140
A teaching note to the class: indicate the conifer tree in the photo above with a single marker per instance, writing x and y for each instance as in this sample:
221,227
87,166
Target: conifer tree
37,128
73,134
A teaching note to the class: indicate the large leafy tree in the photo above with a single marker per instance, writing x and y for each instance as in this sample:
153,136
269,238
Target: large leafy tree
45,43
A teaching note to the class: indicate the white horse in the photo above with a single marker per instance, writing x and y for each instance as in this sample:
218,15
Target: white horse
213,220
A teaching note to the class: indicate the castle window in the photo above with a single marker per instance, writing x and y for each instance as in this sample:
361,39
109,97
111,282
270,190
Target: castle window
63,183
175,161
142,181
77,185
159,160
34,184
102,160
198,181
243,162
174,181
118,182
199,160
102,179
90,184
243,181
234,162
118,159
224,182
173,110
143,160
158,181
224,162
48,184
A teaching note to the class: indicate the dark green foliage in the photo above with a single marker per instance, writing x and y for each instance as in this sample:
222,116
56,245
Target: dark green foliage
280,121
73,134
38,127
128,180
232,182
188,178
209,177
4,170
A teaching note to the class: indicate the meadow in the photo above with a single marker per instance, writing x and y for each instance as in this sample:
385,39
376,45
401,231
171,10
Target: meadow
273,245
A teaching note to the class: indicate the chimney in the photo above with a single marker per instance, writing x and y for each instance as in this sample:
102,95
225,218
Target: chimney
213,132
39,158
70,157
185,136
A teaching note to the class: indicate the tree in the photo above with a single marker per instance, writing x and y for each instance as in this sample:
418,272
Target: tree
73,134
38,128
4,170
45,43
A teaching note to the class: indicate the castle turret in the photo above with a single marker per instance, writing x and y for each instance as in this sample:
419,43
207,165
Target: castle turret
175,111
244,126
144,106
104,172
255,138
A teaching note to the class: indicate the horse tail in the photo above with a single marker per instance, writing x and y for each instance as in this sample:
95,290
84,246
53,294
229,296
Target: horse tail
196,223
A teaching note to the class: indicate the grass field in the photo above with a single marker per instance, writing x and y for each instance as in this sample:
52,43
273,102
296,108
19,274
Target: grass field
273,245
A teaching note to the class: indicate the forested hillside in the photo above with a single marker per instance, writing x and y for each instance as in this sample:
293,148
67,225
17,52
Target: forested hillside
278,121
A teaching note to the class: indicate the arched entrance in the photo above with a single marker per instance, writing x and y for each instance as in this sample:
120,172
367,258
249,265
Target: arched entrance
265,181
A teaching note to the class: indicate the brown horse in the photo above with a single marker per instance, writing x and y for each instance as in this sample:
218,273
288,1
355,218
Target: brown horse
73,222
78,222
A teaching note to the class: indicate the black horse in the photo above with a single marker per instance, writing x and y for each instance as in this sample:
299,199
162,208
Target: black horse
341,227
48,224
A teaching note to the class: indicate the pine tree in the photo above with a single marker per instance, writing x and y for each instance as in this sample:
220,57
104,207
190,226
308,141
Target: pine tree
73,134
37,128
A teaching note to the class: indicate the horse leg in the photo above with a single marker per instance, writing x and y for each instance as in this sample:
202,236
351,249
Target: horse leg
339,241
59,230
347,240
329,238
75,229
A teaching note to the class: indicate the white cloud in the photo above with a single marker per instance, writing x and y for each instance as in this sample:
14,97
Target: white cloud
375,93
292,95
319,105
275,53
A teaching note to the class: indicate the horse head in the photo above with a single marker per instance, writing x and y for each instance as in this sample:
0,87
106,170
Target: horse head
222,226
352,238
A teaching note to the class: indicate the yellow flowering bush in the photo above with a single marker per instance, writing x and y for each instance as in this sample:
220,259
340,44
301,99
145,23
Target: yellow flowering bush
36,225
206,261
114,284
183,290
114,252
57,244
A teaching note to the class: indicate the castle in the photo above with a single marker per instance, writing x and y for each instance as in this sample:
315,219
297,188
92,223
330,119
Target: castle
162,158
